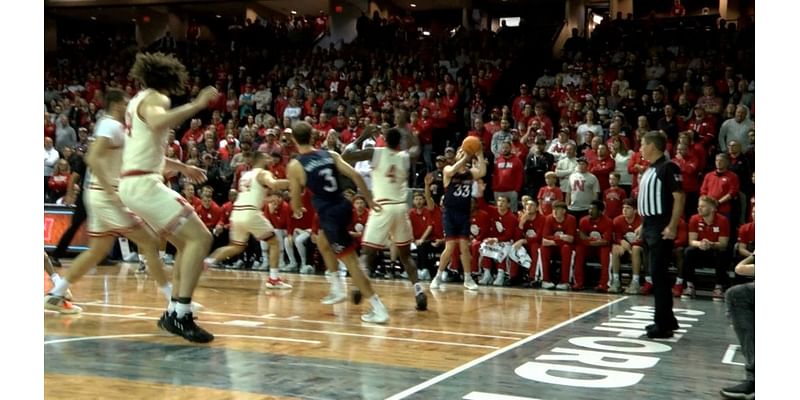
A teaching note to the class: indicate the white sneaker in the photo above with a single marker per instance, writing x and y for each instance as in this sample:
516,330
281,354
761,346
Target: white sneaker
276,284
486,278
615,287
378,315
562,286
500,280
469,283
288,268
633,288
58,303
237,265
342,271
307,270
256,266
132,258
548,285
404,275
424,275
436,282
444,276
167,259
334,297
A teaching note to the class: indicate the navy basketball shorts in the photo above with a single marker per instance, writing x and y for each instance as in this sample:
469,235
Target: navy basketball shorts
334,220
456,224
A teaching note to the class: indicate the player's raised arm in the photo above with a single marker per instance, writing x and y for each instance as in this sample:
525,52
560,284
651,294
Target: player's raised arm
352,152
479,166
449,170
155,109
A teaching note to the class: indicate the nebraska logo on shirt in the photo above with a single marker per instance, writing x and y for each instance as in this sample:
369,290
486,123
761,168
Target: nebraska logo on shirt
678,177
499,226
474,229
715,229
359,227
530,233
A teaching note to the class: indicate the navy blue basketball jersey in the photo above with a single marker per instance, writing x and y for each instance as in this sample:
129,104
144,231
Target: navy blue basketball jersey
458,194
322,178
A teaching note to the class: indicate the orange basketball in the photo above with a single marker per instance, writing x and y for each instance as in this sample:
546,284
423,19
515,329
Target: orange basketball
471,145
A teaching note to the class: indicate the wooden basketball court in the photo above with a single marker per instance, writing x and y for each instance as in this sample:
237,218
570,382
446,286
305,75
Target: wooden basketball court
498,343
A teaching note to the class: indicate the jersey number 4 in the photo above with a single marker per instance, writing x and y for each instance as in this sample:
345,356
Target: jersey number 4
391,174
327,174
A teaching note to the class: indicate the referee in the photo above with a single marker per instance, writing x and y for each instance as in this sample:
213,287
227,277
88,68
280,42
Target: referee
660,203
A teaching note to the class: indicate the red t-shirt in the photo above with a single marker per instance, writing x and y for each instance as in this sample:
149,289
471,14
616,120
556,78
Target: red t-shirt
358,223
613,198
717,228
602,169
533,229
547,196
627,230
552,227
480,226
601,228
718,184
420,219
279,218
227,209
747,233
210,216
436,219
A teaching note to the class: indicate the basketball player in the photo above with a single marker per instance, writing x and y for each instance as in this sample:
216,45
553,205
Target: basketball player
106,215
458,180
319,170
390,168
248,218
148,119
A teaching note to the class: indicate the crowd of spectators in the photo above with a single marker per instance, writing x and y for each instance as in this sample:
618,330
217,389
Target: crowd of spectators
559,139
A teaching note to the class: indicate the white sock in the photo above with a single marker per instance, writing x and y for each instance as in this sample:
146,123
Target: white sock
417,288
648,279
166,290
183,309
171,306
273,273
635,278
335,281
60,287
161,253
615,277
679,281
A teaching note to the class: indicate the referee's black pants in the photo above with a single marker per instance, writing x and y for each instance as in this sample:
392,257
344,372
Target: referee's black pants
77,220
659,254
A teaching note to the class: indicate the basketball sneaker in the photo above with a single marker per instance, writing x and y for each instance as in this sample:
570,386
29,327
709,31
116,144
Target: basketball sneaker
562,286
422,301
500,280
276,284
688,293
424,275
744,390
334,297
677,290
633,288
469,283
289,268
185,327
615,287
486,278
60,304
307,270
548,285
377,315
646,289
436,282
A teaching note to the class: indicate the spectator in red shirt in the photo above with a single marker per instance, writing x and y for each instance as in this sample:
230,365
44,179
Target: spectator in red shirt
359,220
480,131
602,167
531,227
422,228
626,241
195,132
690,171
746,240
209,212
60,180
549,194
278,213
558,235
504,235
636,166
614,197
595,235
188,193
708,245
722,185
508,175
520,102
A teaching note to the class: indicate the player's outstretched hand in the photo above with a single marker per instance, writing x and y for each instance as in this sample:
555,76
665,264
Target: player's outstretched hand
194,174
206,95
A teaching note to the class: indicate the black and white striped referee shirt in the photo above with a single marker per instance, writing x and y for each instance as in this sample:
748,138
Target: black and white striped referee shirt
656,186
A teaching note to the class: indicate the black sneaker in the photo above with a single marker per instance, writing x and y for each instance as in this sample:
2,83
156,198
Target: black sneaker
164,325
744,390
186,328
422,301
659,333
356,296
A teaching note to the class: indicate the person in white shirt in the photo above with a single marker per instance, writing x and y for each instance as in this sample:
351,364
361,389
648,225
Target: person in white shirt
589,124
50,158
566,166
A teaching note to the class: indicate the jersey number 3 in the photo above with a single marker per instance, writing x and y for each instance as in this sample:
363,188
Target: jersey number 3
327,174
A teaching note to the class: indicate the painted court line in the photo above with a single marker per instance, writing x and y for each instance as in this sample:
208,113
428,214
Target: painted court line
312,331
312,321
448,374
494,396
85,338
730,353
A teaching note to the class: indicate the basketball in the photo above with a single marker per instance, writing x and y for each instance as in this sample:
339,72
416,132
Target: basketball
471,145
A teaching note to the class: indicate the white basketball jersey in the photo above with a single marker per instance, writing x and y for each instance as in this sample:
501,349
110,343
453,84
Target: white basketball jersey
144,149
251,192
390,175
114,131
